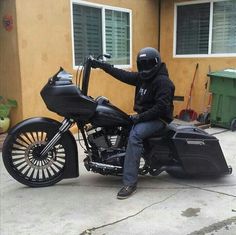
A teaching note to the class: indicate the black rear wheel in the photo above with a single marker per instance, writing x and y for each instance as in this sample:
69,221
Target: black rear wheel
22,158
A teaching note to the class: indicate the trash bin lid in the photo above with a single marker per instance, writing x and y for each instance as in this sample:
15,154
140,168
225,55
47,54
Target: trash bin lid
226,73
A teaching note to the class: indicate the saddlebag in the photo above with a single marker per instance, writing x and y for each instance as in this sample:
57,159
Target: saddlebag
199,152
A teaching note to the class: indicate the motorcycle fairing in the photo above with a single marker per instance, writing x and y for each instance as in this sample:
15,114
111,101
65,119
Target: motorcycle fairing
68,101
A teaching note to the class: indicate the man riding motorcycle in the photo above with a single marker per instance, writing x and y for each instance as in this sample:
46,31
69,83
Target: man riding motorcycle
153,104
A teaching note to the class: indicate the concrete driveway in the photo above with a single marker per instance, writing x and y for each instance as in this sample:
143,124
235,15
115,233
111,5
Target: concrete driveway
88,204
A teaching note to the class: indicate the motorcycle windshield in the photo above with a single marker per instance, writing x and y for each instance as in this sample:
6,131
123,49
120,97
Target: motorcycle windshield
63,75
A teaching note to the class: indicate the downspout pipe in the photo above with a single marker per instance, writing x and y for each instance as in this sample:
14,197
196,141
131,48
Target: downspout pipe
159,26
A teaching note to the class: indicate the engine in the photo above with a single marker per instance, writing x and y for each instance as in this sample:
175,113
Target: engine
109,144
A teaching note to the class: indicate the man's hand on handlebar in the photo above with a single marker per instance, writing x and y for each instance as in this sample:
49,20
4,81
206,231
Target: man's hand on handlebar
99,64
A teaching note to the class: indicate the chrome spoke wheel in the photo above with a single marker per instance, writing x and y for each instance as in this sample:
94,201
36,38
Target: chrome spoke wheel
28,162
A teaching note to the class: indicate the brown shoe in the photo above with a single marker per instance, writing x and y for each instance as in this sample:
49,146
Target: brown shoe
126,191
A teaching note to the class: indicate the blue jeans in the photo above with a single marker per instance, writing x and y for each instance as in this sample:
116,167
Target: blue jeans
134,151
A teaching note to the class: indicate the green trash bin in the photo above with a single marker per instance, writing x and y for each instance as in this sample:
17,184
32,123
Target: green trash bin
223,108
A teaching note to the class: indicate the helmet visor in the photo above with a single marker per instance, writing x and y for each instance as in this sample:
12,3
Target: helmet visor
146,64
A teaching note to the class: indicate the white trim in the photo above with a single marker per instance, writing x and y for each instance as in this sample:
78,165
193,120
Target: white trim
72,34
210,31
85,3
175,31
103,31
131,39
205,55
103,8
198,1
120,66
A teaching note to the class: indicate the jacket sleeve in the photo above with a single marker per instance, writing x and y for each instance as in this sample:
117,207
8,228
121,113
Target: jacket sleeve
130,78
163,102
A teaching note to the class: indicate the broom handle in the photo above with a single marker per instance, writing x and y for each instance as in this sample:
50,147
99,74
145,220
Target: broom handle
210,94
191,88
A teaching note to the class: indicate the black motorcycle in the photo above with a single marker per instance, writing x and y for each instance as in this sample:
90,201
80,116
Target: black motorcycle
41,151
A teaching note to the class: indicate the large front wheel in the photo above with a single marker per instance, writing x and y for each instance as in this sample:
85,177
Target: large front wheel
22,158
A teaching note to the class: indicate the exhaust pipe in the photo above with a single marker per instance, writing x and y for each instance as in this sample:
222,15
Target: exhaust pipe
101,166
104,166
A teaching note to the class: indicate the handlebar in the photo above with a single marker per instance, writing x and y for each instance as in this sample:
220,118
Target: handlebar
87,70
108,56
86,75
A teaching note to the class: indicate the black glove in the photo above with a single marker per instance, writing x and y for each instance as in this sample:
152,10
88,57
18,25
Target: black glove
134,118
99,64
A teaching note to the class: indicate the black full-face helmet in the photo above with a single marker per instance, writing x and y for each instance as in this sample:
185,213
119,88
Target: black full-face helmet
148,61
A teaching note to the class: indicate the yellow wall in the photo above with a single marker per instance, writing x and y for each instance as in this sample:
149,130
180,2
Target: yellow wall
41,41
10,84
182,69
45,43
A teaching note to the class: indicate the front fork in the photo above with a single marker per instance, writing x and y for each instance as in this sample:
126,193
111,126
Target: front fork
65,126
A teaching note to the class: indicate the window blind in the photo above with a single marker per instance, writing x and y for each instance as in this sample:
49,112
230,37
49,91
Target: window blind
87,25
224,27
117,27
193,29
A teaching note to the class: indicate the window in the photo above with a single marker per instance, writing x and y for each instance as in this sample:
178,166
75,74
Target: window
224,27
205,28
99,29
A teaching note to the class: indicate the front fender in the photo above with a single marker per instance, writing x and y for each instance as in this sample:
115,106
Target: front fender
33,120
71,166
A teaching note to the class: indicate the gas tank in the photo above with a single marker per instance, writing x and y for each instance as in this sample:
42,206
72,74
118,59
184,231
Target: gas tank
107,114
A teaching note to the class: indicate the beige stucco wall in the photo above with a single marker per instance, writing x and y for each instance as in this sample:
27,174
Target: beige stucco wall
10,84
45,44
182,69
41,41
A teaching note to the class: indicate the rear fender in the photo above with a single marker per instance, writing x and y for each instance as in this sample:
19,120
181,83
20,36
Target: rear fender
71,166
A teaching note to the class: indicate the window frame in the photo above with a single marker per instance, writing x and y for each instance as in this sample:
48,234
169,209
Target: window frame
103,8
210,32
